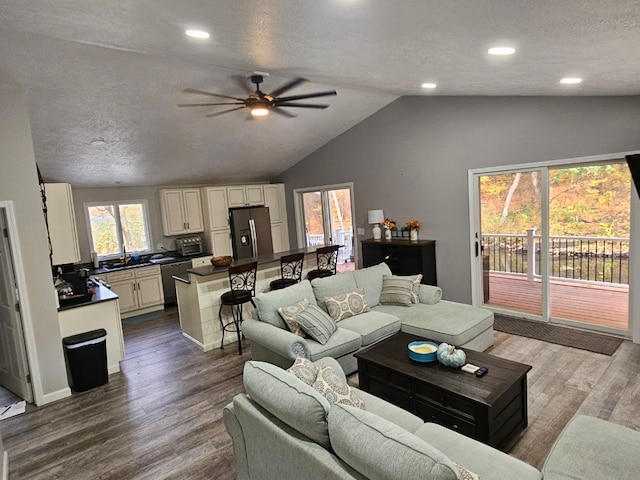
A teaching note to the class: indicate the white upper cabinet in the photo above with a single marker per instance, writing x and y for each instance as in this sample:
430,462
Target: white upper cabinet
181,211
62,223
245,195
215,208
274,199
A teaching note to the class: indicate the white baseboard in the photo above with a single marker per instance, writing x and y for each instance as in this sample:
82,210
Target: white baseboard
200,345
55,396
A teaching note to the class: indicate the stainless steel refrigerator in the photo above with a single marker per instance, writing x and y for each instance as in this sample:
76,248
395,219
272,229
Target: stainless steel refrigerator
250,232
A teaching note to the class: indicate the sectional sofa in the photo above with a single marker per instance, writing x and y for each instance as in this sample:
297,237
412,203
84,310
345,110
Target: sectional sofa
431,317
286,428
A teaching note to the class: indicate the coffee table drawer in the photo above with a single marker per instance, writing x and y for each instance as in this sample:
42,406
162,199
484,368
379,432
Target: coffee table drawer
392,395
445,399
389,377
430,413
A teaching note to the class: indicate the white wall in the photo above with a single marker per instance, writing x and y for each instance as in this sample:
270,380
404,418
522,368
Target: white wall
412,157
19,184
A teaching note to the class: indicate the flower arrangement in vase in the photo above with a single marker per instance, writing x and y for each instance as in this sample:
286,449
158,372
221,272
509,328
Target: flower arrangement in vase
413,226
387,226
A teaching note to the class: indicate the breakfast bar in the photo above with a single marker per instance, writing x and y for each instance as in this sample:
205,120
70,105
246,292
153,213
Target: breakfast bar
198,296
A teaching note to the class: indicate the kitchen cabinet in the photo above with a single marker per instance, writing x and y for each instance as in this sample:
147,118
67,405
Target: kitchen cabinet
61,218
404,257
138,288
218,243
181,211
274,198
217,237
245,195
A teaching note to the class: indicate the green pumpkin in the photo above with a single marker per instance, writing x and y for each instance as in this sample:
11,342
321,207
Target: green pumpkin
450,356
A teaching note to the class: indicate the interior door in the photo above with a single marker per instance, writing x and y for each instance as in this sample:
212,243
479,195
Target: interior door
14,369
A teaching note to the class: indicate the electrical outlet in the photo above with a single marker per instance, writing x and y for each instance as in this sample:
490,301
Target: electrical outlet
360,231
159,246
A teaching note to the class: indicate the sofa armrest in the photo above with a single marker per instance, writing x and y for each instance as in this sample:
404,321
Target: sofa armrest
282,342
429,294
237,435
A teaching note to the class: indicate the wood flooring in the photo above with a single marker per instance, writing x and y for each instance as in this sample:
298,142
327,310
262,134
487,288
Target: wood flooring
161,417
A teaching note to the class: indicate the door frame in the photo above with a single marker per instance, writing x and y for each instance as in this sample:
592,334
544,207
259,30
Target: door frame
475,225
299,211
25,310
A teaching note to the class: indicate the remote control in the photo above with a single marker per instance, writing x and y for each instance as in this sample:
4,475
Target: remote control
470,368
482,372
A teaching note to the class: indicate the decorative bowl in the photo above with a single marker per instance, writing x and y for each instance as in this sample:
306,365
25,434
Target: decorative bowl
224,261
423,351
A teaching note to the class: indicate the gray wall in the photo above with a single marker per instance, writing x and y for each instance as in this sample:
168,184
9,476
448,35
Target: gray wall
412,159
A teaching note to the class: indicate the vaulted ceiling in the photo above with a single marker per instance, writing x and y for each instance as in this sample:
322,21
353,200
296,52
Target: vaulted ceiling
112,73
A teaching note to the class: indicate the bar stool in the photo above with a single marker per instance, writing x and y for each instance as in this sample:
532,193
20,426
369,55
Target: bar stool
242,279
327,258
290,271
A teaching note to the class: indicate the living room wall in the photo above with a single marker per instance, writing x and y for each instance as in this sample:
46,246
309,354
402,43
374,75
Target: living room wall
412,159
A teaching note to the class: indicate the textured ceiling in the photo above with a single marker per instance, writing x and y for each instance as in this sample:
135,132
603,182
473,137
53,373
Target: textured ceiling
116,70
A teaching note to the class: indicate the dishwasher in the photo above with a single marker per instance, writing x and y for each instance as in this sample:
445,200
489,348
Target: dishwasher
168,270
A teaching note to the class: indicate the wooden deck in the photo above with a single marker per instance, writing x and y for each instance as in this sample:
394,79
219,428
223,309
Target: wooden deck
596,304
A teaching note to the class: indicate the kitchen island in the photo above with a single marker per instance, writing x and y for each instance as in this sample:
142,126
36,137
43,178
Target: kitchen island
101,311
199,296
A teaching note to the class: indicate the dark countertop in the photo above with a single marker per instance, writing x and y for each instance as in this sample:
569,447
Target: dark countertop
101,294
145,262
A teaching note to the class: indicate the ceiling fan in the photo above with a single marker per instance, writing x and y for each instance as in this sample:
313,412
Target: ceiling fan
258,102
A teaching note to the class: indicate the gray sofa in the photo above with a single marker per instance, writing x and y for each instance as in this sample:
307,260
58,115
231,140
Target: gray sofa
438,320
284,429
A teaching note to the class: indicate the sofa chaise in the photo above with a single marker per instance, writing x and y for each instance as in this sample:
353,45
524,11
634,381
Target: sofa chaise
438,320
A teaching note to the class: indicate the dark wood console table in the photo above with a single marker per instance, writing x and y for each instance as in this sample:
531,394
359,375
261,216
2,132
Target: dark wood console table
404,257
491,409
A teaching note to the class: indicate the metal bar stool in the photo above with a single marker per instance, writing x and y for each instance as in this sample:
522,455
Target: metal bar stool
242,279
327,258
290,271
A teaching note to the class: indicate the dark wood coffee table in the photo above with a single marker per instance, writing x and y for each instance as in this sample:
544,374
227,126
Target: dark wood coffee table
491,409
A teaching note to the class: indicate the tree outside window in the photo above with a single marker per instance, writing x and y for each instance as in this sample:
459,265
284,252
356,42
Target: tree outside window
118,226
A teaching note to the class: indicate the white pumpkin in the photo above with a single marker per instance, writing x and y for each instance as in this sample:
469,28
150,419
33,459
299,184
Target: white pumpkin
450,356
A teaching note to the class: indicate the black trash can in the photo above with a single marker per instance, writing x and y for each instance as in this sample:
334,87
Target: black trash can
86,355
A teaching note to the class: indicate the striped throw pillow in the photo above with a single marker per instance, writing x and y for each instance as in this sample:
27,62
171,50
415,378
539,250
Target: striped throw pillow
316,323
396,290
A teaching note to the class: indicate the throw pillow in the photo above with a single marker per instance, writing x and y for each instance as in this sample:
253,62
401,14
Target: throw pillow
335,389
396,290
466,474
346,305
289,313
415,286
305,370
316,323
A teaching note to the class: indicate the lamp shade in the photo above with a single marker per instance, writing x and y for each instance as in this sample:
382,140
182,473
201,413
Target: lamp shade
376,216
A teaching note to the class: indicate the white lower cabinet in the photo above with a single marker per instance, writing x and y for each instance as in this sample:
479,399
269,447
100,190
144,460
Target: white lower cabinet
137,288
218,242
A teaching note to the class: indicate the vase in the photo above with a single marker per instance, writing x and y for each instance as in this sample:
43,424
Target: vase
414,234
387,234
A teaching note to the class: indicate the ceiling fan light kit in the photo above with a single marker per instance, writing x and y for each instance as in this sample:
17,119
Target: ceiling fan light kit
259,103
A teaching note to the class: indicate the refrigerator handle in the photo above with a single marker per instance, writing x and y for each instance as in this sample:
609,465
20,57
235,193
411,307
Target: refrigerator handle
254,237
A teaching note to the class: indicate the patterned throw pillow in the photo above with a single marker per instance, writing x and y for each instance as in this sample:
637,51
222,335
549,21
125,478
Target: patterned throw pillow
466,474
415,287
289,313
346,305
396,290
316,323
305,370
335,389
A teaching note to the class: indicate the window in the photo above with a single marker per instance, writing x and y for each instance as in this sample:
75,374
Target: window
116,225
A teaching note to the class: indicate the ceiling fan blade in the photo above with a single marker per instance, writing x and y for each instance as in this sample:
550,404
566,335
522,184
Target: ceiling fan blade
282,112
201,92
301,97
208,104
287,86
244,83
223,112
302,105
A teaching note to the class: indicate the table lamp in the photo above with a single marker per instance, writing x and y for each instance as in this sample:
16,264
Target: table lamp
375,218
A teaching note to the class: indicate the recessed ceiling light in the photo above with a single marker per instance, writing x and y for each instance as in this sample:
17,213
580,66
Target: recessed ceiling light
197,34
429,85
571,80
501,51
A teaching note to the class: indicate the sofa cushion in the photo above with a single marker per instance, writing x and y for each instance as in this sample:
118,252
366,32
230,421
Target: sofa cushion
372,326
304,370
318,325
335,389
396,290
342,342
346,305
289,399
267,303
289,313
370,279
450,322
384,449
332,286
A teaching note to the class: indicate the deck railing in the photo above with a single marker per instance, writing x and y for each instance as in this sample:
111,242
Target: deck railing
342,237
596,259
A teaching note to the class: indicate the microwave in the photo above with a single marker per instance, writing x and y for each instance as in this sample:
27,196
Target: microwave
188,246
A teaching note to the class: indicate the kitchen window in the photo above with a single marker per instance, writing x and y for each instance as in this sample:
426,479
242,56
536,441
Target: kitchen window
117,226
